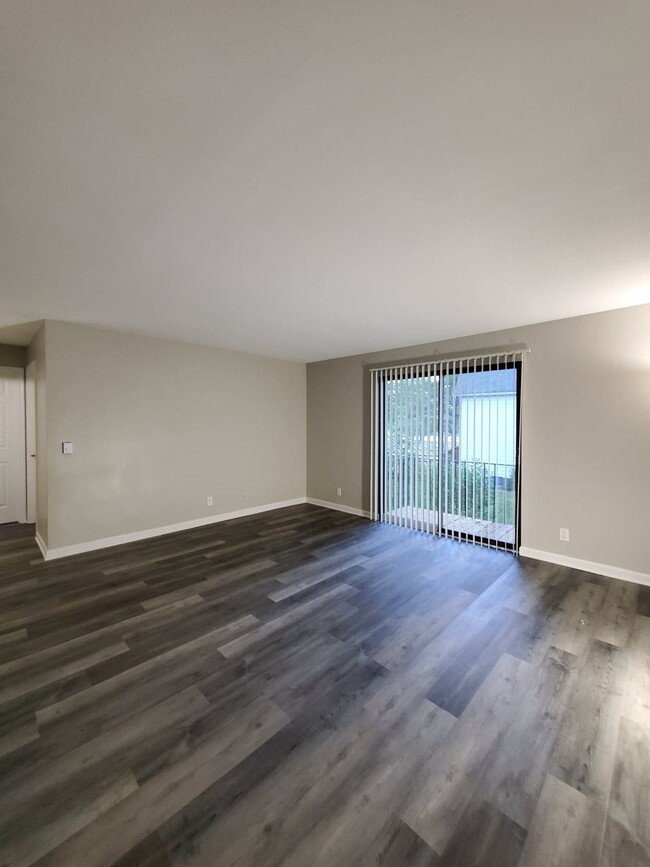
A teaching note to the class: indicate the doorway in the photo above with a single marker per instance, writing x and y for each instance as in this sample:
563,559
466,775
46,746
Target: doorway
30,439
12,445
446,445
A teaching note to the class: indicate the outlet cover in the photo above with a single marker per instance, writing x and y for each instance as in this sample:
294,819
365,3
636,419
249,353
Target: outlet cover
210,501
564,534
338,492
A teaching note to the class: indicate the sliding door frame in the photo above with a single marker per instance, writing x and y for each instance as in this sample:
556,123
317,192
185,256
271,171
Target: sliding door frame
379,449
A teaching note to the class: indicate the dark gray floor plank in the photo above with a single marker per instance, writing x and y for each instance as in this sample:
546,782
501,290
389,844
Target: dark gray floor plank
484,837
586,745
306,687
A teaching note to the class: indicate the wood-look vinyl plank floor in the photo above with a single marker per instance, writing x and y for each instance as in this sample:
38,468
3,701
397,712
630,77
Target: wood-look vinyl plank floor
306,688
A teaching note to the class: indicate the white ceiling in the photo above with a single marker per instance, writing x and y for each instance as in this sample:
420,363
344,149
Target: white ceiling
317,178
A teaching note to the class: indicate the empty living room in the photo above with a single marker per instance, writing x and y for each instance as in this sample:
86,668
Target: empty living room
324,433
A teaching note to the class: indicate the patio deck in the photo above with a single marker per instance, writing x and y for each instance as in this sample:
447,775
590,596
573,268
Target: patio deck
421,519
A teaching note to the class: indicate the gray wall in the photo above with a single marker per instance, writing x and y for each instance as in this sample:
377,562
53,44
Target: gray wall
12,356
585,432
159,425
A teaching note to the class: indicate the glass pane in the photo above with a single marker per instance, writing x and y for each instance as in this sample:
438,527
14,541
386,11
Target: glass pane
410,439
480,435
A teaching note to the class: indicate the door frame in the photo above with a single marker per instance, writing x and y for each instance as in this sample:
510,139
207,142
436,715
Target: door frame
19,375
30,443
459,367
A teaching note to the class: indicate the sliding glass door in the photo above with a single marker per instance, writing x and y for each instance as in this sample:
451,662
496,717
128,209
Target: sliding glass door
446,448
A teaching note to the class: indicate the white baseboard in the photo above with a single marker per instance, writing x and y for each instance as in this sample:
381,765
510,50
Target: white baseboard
587,566
339,507
109,541
41,544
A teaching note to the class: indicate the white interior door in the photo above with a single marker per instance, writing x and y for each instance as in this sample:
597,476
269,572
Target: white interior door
12,445
30,435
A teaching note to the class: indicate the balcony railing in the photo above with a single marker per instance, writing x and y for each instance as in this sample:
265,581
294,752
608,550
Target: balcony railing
475,498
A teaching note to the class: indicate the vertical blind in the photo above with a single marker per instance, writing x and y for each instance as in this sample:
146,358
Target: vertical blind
445,447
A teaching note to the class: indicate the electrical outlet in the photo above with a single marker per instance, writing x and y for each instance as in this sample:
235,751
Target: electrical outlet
244,495
210,501
564,534
338,492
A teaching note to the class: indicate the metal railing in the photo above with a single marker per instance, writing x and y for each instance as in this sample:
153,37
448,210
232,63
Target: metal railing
480,490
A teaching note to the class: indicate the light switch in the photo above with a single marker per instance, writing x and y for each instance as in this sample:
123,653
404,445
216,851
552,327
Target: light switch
67,448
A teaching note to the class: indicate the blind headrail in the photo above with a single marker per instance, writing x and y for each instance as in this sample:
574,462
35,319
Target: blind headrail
499,352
